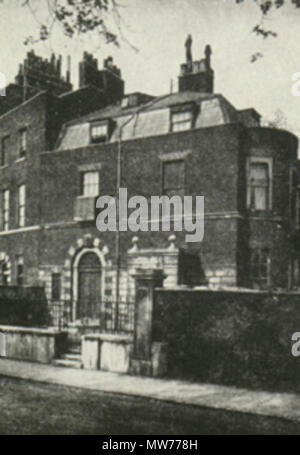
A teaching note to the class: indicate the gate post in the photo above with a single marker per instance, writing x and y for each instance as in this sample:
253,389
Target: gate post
146,280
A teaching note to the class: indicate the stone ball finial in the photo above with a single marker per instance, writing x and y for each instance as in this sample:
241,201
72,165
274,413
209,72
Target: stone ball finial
135,241
172,240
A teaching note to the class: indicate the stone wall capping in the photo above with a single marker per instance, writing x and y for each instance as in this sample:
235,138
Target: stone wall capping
111,337
31,330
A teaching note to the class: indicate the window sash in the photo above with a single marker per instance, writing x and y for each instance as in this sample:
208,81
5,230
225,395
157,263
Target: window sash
22,205
259,197
90,183
260,266
99,131
181,116
56,286
182,121
259,186
3,157
5,210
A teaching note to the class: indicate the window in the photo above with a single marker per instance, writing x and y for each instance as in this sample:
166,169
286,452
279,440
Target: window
4,147
296,274
55,286
259,186
20,271
99,132
23,143
174,178
297,208
21,205
181,121
5,210
90,183
260,267
4,273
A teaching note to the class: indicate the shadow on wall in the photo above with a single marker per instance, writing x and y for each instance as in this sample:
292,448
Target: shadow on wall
190,270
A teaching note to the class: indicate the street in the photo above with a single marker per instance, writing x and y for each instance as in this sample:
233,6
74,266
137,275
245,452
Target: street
29,407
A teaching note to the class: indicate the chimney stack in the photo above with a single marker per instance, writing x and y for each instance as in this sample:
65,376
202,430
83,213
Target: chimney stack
197,75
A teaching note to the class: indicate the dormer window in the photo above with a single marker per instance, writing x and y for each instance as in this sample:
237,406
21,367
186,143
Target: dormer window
125,102
183,117
99,132
182,121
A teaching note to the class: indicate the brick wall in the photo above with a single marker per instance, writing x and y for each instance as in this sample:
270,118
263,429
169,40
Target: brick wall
220,188
215,168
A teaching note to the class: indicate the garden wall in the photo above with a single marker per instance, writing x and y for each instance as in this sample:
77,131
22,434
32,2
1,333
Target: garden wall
23,306
239,338
32,344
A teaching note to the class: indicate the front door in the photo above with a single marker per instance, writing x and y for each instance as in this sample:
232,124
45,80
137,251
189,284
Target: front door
89,286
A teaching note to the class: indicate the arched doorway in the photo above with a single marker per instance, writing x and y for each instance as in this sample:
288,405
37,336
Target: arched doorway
89,286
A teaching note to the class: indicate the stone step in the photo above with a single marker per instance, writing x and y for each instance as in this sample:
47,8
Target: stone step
71,356
67,363
74,350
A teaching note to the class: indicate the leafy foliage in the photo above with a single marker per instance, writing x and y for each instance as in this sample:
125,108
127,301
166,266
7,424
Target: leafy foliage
266,6
77,17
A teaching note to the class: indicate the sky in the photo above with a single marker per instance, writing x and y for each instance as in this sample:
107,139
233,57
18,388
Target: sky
158,29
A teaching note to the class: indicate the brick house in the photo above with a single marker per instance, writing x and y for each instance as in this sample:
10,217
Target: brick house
59,151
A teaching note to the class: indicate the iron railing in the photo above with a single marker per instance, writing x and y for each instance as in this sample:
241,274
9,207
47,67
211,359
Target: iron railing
103,315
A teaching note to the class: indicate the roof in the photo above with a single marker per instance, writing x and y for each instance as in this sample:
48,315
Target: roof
149,119
160,102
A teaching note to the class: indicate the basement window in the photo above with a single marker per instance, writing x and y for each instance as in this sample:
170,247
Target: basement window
260,265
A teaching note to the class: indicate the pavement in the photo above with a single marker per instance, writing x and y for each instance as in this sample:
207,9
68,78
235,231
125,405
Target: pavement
280,405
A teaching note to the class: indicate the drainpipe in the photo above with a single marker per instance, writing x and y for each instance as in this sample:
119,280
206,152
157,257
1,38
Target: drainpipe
118,185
